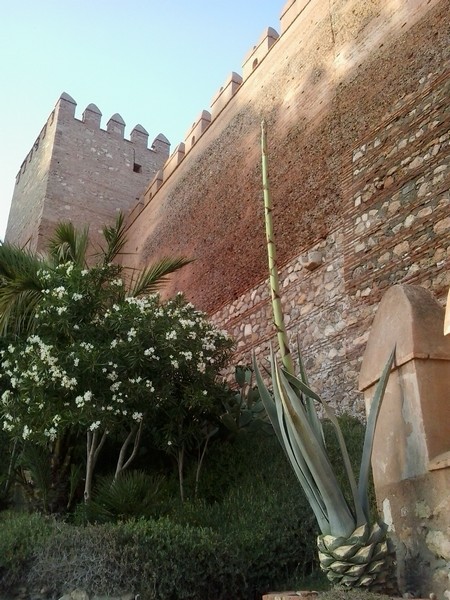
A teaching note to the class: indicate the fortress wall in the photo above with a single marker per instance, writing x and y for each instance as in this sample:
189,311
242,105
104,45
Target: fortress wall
30,189
87,176
353,93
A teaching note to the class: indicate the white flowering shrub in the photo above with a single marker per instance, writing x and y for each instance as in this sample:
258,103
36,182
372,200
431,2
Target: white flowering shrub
100,362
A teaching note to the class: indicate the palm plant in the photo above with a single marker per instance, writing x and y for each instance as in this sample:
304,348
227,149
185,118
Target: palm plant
21,285
353,551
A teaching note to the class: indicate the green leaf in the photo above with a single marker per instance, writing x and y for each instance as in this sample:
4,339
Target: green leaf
341,519
359,513
151,279
68,244
375,406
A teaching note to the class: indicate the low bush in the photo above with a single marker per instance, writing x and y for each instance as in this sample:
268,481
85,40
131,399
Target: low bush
252,533
20,538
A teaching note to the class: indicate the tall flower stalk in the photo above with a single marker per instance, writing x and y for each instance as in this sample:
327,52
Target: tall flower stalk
353,551
274,279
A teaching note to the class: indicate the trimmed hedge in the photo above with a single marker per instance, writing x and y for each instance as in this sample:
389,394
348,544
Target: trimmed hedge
253,532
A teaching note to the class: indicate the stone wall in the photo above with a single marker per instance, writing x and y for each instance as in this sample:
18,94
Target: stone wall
78,172
353,93
411,452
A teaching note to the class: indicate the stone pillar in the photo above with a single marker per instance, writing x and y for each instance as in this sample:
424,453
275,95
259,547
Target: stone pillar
411,456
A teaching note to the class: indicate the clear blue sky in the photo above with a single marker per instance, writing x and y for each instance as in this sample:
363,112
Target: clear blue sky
156,63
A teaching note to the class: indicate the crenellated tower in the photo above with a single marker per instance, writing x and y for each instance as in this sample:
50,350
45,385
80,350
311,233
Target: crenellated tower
81,173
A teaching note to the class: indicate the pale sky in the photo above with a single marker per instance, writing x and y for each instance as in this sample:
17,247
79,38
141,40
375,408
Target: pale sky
155,63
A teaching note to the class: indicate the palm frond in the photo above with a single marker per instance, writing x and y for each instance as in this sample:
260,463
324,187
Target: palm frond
20,288
69,244
156,275
115,239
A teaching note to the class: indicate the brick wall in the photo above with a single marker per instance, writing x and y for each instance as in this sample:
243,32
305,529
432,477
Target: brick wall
81,173
354,98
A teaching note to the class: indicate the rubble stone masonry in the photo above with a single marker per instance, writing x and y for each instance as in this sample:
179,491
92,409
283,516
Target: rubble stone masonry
355,96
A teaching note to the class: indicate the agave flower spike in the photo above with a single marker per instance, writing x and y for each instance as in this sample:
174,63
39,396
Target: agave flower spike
352,551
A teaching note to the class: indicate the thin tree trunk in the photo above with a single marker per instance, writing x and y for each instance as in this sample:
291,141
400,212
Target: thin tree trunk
10,467
200,464
180,461
93,447
136,432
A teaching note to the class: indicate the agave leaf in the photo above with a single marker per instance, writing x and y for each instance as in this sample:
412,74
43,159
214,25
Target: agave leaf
269,403
295,455
363,482
313,417
308,392
341,519
240,375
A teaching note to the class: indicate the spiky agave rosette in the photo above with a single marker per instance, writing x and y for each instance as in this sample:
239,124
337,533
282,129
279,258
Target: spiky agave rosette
366,559
353,551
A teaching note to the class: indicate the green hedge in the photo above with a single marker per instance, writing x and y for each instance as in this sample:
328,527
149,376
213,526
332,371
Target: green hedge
252,532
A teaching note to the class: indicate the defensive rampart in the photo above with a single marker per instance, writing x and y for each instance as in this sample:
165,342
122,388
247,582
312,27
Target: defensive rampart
354,96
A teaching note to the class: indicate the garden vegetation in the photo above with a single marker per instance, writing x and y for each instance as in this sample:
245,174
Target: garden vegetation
128,464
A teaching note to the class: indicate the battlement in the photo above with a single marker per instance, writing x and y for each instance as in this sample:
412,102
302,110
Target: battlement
91,117
220,100
80,172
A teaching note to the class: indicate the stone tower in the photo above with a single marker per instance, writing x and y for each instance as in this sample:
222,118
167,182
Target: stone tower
81,173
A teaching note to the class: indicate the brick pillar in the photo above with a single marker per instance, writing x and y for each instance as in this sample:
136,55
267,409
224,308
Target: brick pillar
411,457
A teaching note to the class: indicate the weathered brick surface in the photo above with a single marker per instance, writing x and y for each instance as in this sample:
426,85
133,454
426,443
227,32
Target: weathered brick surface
354,97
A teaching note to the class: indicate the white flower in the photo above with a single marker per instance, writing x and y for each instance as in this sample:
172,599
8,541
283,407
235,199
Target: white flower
76,296
50,433
95,425
87,346
76,362
137,416
131,334
205,393
169,443
61,309
171,335
26,432
201,367
59,292
84,272
76,326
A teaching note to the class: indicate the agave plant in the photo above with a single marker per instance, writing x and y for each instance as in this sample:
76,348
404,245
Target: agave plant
353,550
